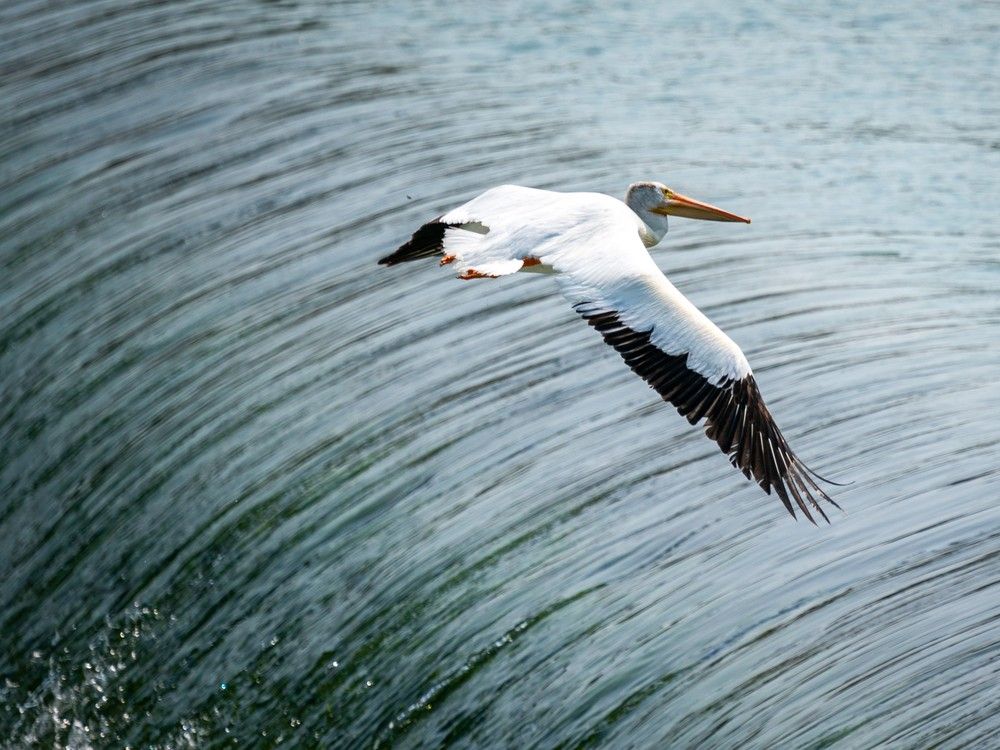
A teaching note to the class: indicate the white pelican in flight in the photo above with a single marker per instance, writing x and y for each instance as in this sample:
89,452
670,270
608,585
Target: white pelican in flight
597,247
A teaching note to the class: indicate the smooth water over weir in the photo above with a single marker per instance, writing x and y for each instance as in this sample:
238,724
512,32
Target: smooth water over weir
255,488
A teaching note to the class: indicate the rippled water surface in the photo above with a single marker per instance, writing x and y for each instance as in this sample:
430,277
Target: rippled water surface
256,489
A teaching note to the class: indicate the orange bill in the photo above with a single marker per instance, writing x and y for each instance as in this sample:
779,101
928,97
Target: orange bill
675,204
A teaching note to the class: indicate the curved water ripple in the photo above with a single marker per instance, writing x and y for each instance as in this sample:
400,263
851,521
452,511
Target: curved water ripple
257,490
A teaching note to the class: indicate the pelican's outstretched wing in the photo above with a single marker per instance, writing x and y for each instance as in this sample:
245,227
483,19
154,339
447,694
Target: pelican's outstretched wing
505,229
459,242
689,361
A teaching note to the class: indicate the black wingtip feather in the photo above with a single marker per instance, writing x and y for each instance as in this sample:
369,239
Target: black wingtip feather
736,417
426,242
824,479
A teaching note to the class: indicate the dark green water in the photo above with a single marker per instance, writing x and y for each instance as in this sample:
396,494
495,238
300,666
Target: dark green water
256,490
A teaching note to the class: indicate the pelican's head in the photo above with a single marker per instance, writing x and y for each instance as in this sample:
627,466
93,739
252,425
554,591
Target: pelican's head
653,202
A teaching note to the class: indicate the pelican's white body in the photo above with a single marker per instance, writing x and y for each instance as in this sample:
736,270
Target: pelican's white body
597,245
597,248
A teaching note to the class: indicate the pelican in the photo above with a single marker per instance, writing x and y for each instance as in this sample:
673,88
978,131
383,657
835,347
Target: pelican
597,248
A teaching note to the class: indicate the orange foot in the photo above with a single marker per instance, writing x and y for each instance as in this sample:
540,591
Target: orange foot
529,261
446,260
472,273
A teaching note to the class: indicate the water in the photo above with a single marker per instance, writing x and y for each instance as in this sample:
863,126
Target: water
258,490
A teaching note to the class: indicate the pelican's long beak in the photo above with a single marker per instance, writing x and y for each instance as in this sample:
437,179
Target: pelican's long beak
675,204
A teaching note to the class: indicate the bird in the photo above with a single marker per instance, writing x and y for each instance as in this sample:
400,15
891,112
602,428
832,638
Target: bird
597,248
